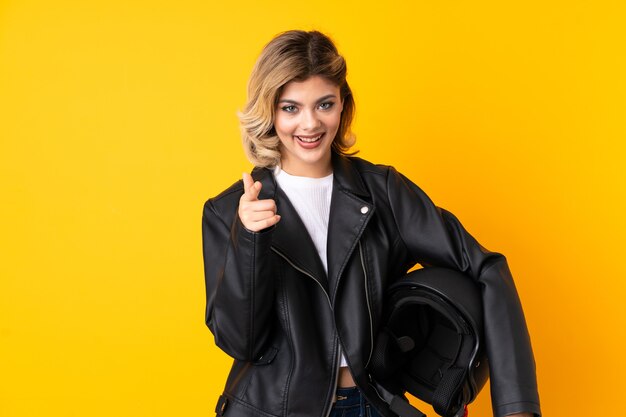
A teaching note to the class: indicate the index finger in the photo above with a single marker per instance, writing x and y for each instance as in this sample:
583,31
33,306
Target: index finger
251,190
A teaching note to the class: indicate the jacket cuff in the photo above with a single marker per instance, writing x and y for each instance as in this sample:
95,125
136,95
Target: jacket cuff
518,407
250,235
261,237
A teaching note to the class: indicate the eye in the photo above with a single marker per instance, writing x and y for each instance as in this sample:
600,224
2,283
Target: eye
289,109
327,105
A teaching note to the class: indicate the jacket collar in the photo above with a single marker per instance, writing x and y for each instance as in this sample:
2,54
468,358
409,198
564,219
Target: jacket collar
350,210
345,175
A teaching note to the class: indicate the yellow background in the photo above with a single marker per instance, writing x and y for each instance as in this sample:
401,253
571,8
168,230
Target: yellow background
117,122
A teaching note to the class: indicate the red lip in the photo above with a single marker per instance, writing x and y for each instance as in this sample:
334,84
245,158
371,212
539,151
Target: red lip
301,141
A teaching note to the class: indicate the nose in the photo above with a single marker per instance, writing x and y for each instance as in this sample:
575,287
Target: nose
310,120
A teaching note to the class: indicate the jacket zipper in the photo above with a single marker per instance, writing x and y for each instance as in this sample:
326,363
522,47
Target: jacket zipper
335,377
369,310
336,370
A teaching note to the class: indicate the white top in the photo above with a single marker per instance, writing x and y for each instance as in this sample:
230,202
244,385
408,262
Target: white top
311,199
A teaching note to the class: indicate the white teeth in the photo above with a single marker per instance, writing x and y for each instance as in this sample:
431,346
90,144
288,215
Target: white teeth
310,140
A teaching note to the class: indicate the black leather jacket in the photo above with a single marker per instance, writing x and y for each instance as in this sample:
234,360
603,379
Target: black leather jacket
271,306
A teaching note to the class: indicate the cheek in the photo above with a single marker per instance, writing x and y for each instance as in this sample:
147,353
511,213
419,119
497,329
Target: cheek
334,120
283,125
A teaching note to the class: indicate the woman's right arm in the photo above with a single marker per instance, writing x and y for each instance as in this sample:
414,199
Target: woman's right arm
239,285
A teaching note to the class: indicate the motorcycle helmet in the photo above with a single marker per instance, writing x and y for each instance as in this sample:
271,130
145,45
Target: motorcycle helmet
431,344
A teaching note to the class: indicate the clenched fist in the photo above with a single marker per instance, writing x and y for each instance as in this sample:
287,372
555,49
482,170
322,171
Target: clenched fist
256,214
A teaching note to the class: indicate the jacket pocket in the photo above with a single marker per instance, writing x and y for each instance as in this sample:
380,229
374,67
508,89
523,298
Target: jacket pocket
228,406
267,357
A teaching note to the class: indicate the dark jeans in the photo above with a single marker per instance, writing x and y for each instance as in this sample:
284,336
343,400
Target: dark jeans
350,403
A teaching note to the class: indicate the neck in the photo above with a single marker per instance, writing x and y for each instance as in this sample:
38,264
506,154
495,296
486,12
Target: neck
317,170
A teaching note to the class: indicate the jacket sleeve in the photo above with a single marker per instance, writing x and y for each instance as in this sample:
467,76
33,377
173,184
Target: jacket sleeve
435,237
239,289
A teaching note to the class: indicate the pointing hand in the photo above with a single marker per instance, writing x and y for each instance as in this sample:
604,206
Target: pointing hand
256,214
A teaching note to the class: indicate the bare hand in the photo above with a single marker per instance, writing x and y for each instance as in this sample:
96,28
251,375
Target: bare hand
256,214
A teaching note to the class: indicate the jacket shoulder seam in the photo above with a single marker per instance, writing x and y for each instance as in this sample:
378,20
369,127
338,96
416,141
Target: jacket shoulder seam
211,207
365,166
230,190
211,202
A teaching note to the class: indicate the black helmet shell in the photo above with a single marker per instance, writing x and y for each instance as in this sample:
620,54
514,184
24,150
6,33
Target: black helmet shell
431,344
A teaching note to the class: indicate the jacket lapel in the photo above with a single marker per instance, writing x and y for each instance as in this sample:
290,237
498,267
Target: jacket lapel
350,211
291,238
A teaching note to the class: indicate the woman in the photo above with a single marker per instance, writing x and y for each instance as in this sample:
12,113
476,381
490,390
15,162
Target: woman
298,254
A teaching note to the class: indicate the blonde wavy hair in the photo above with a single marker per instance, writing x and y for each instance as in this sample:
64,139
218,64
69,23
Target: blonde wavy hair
294,55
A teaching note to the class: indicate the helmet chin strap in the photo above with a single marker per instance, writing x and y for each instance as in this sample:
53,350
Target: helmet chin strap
397,404
401,406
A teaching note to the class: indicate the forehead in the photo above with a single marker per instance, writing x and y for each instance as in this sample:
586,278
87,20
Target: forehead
310,88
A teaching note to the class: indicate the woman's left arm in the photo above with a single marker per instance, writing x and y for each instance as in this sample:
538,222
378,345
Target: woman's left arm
435,237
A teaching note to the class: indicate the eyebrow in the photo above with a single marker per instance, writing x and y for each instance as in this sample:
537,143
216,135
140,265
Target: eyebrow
326,97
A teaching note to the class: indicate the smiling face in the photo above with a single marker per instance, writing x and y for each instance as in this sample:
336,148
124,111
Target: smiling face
307,118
